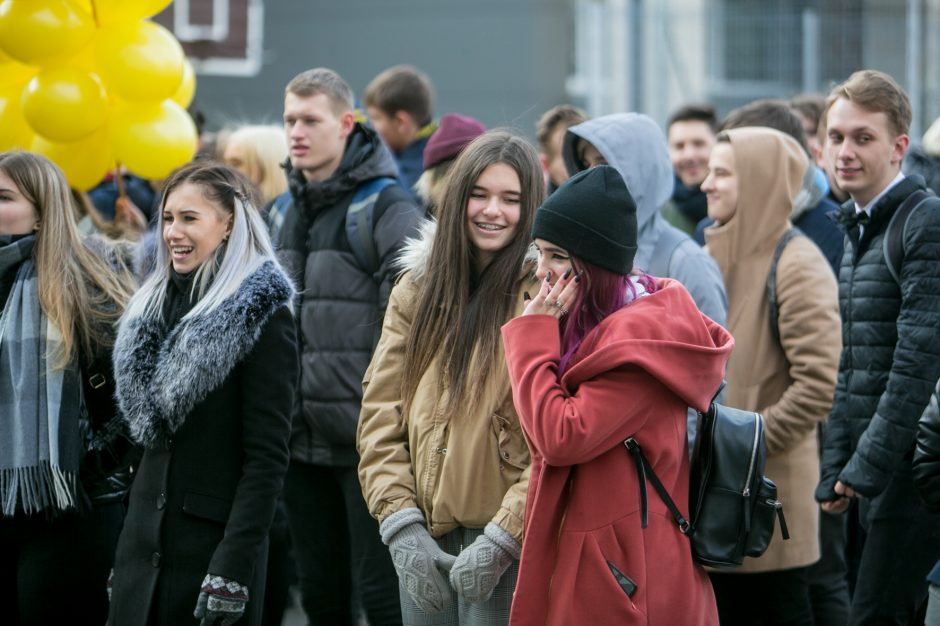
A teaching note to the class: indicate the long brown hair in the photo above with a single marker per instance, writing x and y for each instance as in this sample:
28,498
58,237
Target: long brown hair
460,310
80,292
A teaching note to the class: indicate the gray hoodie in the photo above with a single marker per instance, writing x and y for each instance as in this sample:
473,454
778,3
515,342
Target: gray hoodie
634,145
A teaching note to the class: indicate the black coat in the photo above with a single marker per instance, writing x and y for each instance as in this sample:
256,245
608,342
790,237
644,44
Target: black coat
341,304
927,455
891,347
210,401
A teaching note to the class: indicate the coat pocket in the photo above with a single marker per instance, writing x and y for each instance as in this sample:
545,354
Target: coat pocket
628,586
513,449
207,507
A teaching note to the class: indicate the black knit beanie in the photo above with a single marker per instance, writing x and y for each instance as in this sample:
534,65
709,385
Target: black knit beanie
592,216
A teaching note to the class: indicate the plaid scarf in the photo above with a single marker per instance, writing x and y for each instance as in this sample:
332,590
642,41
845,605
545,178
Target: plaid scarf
40,445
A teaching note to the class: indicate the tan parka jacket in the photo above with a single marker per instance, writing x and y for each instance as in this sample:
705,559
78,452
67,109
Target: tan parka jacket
789,380
461,470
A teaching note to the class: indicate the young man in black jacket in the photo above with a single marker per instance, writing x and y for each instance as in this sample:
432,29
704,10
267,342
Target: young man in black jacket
891,349
337,169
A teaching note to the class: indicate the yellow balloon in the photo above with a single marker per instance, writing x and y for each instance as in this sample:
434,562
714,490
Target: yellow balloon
152,140
184,95
140,61
14,131
65,104
113,11
15,73
34,31
84,162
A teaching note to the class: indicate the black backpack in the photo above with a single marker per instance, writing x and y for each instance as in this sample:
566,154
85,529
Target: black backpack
732,505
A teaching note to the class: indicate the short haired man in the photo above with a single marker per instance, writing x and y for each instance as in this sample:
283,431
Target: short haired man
400,104
891,349
332,158
690,132
550,133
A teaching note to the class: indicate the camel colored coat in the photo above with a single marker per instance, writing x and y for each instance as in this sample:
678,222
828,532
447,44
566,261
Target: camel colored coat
790,381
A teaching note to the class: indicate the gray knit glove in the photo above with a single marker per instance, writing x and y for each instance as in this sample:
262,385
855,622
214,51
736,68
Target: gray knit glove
220,599
418,559
480,565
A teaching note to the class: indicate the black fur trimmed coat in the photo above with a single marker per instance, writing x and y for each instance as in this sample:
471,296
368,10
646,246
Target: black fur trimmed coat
210,400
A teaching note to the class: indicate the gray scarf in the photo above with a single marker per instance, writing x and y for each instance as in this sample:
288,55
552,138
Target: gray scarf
40,446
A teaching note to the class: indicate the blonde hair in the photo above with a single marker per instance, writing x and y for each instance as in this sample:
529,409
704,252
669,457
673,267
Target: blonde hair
264,149
80,292
876,92
430,186
321,80
220,275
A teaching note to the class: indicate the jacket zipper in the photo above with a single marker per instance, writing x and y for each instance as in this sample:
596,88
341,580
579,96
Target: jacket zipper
750,470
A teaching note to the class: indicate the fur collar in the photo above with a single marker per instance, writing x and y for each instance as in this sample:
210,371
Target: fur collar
161,376
416,252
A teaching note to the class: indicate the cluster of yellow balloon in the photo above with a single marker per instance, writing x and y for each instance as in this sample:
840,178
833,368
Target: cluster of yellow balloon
91,83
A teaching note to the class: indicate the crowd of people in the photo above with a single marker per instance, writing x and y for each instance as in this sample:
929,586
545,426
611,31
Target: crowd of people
393,360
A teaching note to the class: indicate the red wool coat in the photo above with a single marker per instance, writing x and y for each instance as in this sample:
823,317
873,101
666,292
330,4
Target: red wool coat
633,375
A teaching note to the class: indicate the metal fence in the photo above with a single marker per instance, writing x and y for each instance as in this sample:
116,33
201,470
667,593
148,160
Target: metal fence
655,55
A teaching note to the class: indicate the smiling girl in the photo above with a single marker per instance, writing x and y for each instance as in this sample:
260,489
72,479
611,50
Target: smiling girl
206,366
443,460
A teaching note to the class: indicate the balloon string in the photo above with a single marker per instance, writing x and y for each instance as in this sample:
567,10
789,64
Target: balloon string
119,178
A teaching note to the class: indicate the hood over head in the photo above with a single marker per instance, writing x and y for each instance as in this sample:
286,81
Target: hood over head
636,147
770,168
687,354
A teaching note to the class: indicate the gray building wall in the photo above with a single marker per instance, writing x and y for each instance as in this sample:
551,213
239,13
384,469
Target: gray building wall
504,62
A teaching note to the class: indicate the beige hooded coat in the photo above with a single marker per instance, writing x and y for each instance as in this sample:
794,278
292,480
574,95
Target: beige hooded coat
790,381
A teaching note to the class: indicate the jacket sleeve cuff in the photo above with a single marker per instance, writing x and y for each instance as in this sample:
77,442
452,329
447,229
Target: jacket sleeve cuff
396,521
869,481
503,539
509,523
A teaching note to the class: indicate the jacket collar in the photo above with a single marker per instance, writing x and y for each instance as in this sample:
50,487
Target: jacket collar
161,373
415,255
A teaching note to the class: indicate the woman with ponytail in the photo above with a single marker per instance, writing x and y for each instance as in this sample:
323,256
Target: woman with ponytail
207,364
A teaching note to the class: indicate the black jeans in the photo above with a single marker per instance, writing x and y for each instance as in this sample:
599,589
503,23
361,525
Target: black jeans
778,598
56,571
828,577
340,556
902,544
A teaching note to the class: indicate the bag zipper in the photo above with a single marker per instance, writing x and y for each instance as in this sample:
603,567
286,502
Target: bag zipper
750,470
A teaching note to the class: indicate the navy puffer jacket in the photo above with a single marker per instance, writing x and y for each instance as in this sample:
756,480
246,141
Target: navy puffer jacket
891,346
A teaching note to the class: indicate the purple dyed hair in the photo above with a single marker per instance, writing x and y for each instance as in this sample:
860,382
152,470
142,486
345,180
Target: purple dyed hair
602,292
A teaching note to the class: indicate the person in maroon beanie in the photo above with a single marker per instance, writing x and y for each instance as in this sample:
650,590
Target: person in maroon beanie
452,136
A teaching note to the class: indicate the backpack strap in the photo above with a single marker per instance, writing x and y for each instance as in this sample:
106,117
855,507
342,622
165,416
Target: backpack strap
360,221
669,241
645,471
897,229
772,280
277,211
